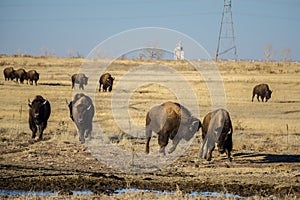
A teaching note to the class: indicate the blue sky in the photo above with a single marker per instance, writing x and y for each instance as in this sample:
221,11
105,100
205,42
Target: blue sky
63,26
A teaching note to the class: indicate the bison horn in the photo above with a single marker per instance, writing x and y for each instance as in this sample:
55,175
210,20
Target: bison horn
45,102
67,101
229,132
196,124
88,108
29,103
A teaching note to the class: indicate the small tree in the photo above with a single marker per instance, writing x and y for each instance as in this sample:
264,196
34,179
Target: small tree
141,55
70,53
78,55
285,54
153,53
20,52
269,53
47,52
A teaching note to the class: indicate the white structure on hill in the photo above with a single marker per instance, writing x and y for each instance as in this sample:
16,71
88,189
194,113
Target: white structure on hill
178,52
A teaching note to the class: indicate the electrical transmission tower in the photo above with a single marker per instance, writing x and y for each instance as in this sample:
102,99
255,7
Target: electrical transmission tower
226,42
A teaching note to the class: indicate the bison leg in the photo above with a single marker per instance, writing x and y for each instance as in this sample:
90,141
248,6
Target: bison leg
253,96
175,140
163,139
207,149
100,87
33,128
209,154
89,132
228,155
42,127
258,98
174,145
147,145
81,86
148,137
81,135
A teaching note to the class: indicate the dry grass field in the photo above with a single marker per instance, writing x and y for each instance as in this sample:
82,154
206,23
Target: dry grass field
266,137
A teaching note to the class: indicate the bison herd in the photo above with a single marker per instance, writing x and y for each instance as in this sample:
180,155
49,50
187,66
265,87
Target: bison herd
106,81
170,120
20,75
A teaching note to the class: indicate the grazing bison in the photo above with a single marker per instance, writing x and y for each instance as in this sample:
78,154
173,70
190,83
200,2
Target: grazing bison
216,128
262,91
107,81
32,75
20,74
39,113
9,73
82,113
80,79
170,120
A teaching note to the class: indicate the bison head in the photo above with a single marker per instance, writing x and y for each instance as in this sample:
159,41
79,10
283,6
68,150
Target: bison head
223,140
110,82
85,80
81,112
268,94
188,130
36,76
36,107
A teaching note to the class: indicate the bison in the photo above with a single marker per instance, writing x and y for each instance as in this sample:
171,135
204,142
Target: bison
39,113
262,91
80,79
170,121
32,75
82,112
216,128
9,73
20,74
106,81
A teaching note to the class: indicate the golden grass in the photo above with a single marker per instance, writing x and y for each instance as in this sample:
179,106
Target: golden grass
267,120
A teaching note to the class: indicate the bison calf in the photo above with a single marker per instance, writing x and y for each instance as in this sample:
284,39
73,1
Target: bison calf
80,79
262,91
39,113
170,121
106,81
82,112
216,128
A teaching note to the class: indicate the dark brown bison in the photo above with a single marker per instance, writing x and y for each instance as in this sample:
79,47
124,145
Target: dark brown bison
39,113
82,112
170,121
262,91
32,75
216,128
9,73
20,74
106,81
80,79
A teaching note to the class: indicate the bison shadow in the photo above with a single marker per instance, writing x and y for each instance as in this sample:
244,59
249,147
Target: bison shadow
270,158
54,84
